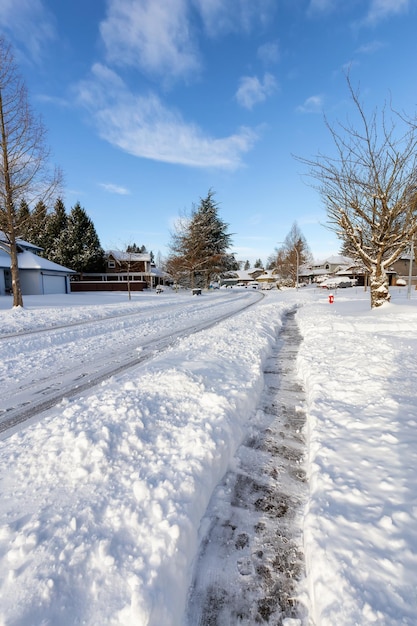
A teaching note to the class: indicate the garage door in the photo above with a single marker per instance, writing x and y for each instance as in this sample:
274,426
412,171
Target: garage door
54,284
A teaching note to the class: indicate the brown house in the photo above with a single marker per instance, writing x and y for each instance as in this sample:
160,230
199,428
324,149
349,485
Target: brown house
125,271
401,268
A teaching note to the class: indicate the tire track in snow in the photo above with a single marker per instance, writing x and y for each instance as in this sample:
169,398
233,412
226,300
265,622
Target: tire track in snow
43,394
250,558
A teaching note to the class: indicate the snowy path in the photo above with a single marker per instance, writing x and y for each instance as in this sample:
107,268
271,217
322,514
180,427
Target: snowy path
250,557
68,359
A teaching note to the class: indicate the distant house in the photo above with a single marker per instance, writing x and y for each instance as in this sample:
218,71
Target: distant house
344,266
401,268
37,275
268,277
334,265
125,271
242,277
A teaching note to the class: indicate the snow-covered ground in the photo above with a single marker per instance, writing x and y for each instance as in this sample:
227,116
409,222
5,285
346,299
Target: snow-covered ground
101,499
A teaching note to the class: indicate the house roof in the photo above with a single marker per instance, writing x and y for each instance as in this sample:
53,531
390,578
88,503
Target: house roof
336,259
128,256
27,260
25,245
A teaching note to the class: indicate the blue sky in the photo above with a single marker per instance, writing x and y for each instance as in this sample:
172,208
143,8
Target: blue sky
151,103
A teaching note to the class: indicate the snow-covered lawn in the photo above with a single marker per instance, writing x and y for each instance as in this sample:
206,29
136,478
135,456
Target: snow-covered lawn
101,499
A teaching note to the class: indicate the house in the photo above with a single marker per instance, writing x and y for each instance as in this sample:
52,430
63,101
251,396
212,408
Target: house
268,278
401,267
37,275
319,270
342,266
125,271
242,277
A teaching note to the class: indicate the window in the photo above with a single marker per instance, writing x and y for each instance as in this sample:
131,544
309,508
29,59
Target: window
111,265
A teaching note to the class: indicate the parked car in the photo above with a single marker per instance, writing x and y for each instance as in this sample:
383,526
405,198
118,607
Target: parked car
335,283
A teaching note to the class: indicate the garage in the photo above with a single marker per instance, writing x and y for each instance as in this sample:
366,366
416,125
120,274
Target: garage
54,284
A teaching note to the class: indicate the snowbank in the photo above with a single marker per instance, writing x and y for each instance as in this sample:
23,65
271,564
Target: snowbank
359,371
101,501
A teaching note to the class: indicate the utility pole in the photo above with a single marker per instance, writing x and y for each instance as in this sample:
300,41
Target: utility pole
410,270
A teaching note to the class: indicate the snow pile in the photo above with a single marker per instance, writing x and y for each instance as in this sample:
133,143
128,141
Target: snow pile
101,501
359,370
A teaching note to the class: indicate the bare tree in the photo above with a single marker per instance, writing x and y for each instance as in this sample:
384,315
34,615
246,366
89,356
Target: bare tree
291,255
369,189
24,173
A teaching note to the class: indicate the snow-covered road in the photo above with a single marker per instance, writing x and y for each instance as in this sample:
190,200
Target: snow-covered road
42,365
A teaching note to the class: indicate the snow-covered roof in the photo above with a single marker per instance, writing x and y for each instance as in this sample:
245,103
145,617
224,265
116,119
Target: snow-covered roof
20,242
243,275
337,259
129,256
307,271
27,260
267,275
156,271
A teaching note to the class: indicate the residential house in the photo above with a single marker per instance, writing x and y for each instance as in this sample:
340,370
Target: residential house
37,275
125,271
401,267
242,277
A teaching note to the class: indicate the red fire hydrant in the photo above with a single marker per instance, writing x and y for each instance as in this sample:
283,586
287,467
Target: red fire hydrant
331,298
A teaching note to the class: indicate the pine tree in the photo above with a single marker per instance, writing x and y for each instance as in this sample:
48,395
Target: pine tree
199,245
23,221
136,249
83,251
38,225
247,265
57,234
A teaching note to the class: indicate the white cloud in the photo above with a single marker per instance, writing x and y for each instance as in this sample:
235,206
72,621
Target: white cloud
381,9
144,127
160,38
29,24
220,17
370,48
313,104
152,35
252,90
321,6
122,191
269,53
378,9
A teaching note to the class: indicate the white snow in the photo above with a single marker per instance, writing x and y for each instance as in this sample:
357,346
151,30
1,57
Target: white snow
102,497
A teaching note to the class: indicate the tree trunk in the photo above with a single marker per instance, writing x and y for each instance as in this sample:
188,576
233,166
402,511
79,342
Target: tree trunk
17,292
379,287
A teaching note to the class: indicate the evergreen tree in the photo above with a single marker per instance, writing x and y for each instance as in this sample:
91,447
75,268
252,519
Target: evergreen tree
23,221
136,249
199,245
38,225
246,266
258,264
83,251
57,234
